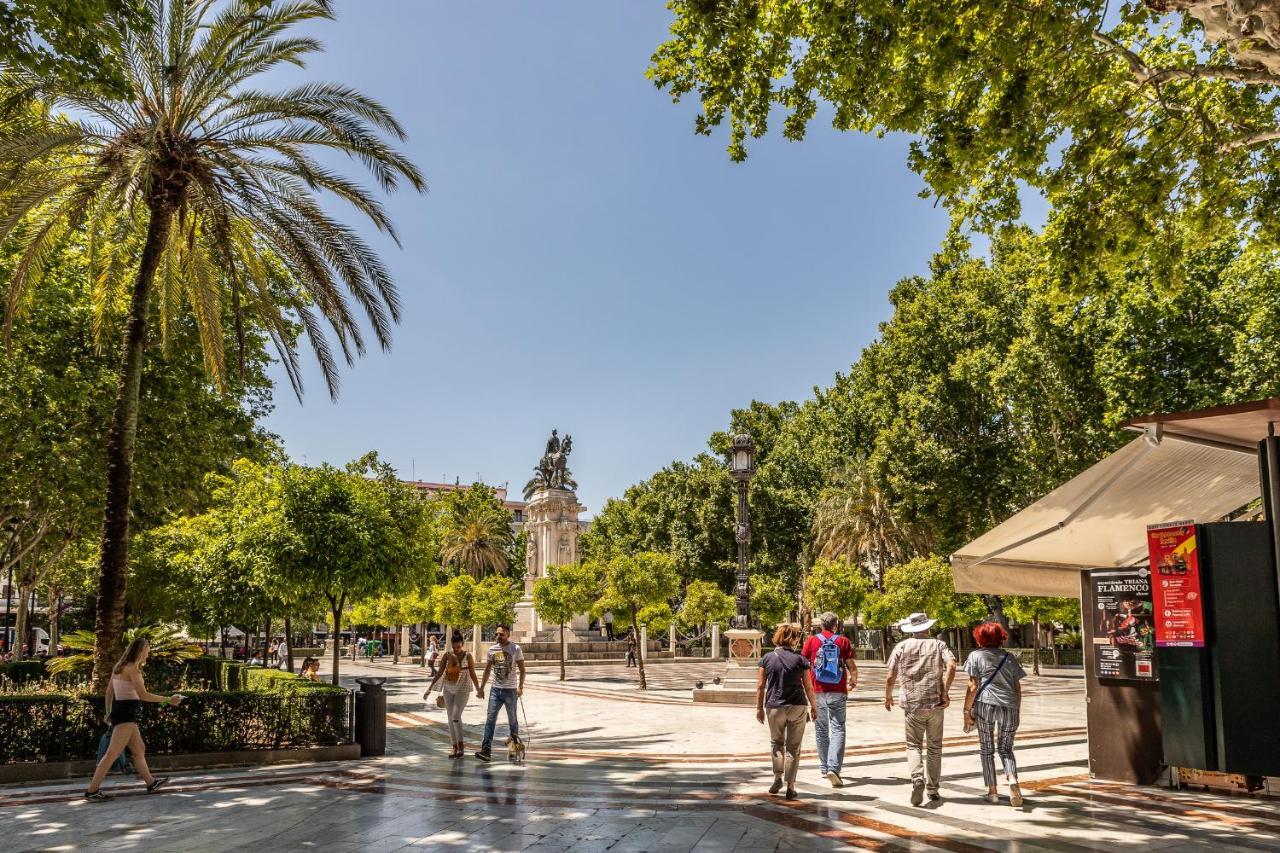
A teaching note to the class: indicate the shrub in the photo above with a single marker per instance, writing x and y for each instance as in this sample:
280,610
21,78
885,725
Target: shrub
67,727
22,671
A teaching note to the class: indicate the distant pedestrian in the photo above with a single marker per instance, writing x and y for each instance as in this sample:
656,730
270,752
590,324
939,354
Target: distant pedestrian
925,667
126,691
433,652
454,665
284,662
608,626
784,694
505,660
310,669
834,674
631,646
992,705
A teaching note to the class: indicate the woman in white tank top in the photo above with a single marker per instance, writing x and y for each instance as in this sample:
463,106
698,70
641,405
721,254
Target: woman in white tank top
125,694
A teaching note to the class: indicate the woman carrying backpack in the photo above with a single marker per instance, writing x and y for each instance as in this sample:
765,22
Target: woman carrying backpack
455,690
835,673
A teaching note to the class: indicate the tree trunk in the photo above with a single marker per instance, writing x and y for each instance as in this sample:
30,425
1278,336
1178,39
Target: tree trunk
266,640
20,626
1053,643
55,617
288,639
395,650
422,644
884,645
113,563
562,651
1035,645
336,607
635,626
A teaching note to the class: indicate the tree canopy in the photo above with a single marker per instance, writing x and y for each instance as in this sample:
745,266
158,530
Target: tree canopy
1149,127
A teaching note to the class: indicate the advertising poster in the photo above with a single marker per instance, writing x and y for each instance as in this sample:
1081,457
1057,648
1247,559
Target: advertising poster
1123,629
1175,591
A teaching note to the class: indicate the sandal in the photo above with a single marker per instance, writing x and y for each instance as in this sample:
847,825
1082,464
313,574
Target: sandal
1015,795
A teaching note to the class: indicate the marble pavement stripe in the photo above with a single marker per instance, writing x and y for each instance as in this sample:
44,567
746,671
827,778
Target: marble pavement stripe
811,827
1135,799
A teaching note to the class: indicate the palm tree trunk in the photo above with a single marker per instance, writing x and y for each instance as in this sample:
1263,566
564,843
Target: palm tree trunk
109,619
20,628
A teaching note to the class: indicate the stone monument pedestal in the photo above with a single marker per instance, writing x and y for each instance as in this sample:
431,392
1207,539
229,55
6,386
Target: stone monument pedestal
738,684
551,523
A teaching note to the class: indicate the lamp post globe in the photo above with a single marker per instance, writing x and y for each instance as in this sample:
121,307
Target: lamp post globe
742,464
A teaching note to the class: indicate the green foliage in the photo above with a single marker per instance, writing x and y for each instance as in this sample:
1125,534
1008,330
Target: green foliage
566,591
67,40
1145,140
632,583
476,535
706,604
168,646
493,601
452,601
66,727
837,586
20,672
923,585
771,603
1028,608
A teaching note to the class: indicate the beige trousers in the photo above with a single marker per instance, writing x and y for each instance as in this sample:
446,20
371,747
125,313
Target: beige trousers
924,730
786,732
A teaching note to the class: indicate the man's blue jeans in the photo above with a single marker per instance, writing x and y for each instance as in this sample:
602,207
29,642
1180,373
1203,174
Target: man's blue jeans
829,731
499,696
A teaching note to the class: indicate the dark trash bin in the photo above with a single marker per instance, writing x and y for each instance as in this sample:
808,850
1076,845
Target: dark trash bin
371,716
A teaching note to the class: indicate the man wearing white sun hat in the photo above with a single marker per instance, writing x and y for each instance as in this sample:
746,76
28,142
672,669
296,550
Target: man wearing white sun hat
924,668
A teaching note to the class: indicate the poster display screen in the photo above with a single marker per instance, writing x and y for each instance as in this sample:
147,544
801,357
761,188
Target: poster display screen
1123,627
1176,594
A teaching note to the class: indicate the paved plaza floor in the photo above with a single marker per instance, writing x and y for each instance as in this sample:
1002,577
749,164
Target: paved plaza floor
611,768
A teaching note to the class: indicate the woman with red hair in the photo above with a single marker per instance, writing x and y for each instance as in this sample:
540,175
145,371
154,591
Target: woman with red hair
992,705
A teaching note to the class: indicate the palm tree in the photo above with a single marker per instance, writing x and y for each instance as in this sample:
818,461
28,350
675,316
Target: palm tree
853,520
201,191
478,540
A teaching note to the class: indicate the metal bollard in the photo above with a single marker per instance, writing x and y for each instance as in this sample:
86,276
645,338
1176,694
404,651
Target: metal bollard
371,716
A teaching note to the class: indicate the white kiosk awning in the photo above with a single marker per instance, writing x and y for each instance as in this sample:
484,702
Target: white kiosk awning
1193,465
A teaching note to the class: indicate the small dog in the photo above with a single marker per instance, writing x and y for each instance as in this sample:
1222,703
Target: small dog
515,750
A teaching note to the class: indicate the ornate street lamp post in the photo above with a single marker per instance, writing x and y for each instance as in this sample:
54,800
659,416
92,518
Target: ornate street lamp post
741,467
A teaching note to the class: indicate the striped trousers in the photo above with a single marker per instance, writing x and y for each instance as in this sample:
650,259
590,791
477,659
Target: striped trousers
996,727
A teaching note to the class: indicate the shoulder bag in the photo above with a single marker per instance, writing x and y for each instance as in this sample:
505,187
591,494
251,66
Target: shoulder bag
990,678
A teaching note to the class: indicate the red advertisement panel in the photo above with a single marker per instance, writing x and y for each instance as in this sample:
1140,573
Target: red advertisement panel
1175,584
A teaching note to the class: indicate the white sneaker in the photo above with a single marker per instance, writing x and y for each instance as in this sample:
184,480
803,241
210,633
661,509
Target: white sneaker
834,778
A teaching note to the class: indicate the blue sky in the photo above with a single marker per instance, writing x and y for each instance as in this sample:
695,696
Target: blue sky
583,260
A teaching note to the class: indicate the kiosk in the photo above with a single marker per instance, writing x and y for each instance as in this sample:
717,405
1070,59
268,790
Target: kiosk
1171,544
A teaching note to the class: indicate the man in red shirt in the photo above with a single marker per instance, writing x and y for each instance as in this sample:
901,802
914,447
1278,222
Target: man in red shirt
835,673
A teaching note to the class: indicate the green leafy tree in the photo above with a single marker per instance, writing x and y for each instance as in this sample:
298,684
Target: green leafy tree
202,190
924,585
452,601
1125,118
706,604
493,601
1038,610
67,40
167,647
641,580
347,543
838,586
565,592
771,603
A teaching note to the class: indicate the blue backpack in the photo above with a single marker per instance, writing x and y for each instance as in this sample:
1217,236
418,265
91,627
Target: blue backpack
826,665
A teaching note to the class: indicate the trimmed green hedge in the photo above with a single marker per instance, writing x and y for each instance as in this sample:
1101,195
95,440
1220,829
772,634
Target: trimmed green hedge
22,671
65,728
222,674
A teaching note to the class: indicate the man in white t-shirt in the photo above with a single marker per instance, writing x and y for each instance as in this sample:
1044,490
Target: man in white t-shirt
504,661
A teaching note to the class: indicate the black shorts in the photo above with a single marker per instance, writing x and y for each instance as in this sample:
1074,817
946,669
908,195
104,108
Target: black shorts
124,711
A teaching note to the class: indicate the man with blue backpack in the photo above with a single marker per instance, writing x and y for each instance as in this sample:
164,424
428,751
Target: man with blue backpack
830,656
